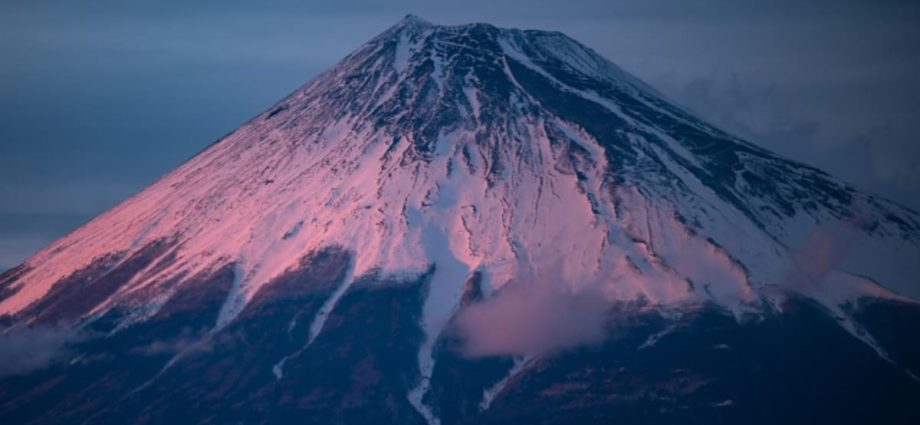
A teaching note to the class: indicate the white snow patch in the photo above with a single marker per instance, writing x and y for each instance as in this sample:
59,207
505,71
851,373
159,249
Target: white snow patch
489,394
403,52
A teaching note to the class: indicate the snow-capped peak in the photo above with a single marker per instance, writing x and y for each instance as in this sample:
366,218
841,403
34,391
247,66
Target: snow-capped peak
473,148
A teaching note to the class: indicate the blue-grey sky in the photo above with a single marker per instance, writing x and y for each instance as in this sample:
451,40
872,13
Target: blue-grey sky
99,98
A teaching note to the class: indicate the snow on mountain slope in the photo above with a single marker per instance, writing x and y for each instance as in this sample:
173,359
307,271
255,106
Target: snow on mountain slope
477,149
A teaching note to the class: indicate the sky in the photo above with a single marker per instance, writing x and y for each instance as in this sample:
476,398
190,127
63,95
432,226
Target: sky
99,98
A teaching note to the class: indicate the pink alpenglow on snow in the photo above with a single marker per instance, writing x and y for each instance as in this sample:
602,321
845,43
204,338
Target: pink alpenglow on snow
435,153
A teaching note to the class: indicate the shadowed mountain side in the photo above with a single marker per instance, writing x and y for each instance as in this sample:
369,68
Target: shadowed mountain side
472,224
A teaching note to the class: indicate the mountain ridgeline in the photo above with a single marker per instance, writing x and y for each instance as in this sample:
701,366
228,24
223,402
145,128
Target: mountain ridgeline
469,224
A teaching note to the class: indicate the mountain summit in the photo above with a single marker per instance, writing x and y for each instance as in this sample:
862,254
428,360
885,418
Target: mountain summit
469,224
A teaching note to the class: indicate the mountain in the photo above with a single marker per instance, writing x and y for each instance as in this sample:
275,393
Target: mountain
468,224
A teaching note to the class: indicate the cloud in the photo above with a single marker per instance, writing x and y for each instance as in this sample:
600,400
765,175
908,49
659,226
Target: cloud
187,342
29,349
534,318
825,248
761,112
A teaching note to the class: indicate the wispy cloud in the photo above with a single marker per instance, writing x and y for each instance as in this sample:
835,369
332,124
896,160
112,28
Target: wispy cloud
26,350
534,317
187,341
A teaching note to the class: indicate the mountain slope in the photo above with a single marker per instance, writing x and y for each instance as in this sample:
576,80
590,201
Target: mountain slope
435,161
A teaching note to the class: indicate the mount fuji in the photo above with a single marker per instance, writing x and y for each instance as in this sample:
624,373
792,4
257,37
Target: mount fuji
470,224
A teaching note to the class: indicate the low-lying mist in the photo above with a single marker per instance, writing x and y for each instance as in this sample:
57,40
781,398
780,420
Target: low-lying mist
534,317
